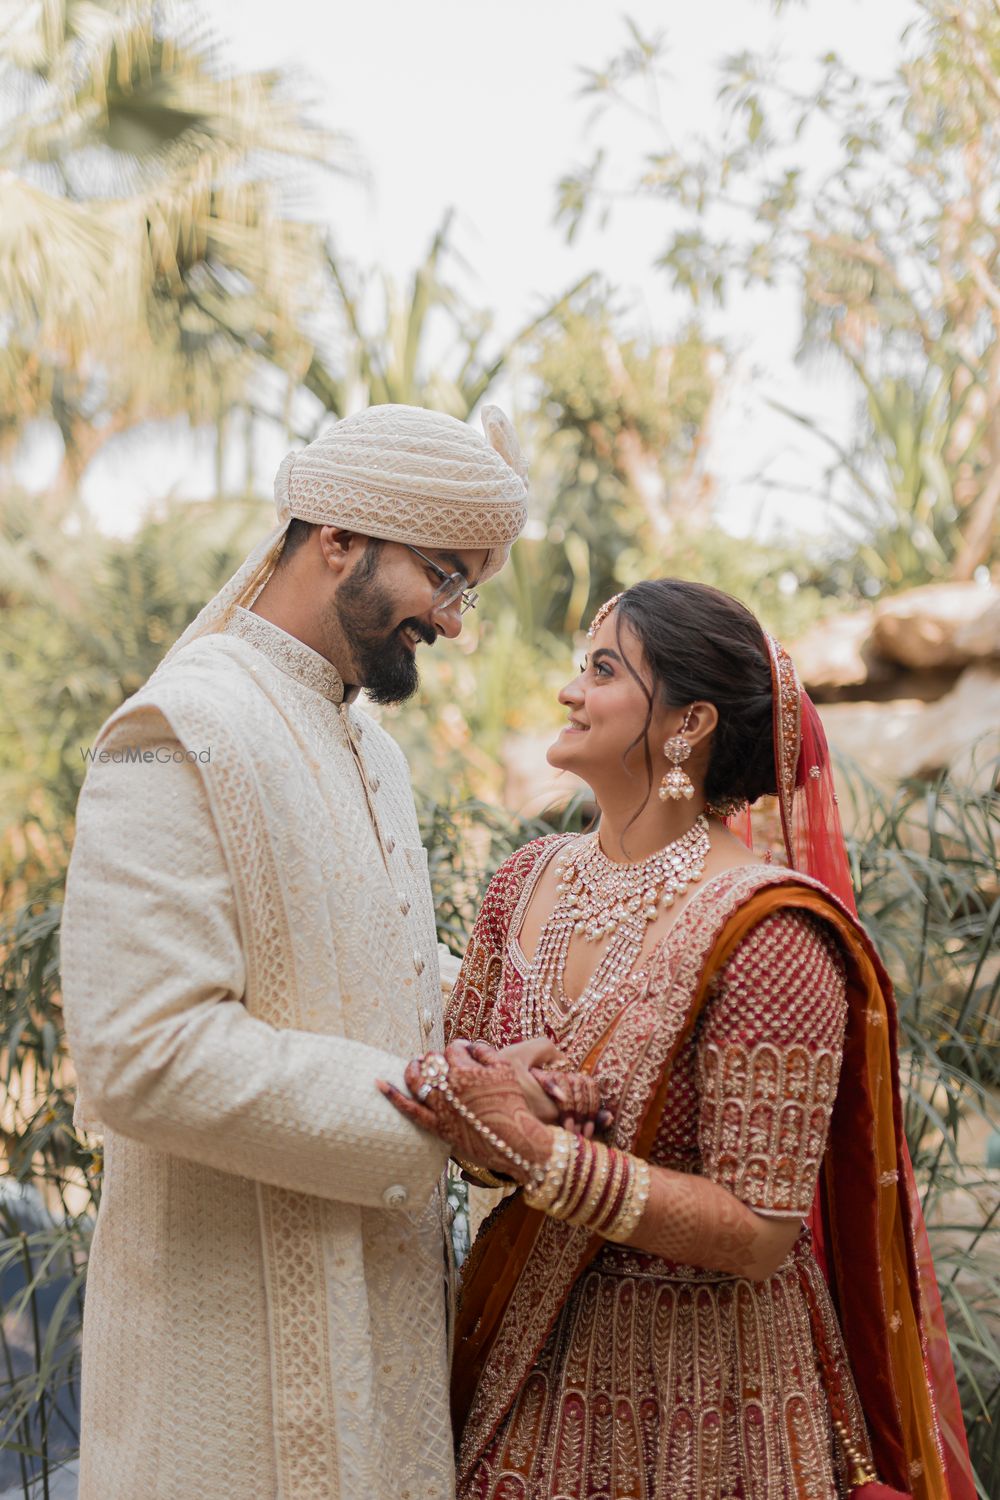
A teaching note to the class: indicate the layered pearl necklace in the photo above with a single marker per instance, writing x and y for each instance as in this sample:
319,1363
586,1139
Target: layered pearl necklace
597,899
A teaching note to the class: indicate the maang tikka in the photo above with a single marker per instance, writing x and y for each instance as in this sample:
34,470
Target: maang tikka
677,783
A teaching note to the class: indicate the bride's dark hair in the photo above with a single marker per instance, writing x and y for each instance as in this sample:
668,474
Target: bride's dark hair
701,645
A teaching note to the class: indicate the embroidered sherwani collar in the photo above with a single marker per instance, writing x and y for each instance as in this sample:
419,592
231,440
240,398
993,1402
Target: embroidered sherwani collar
291,655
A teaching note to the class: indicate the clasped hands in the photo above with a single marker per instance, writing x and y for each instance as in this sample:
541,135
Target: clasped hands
516,1095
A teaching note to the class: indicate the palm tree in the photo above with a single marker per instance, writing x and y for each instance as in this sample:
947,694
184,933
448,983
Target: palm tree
147,259
423,344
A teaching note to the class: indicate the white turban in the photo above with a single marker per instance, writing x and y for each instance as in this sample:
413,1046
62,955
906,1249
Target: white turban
400,473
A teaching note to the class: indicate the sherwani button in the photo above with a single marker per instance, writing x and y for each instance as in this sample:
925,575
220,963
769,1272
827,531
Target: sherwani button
374,783
426,1021
418,961
395,1196
390,844
404,907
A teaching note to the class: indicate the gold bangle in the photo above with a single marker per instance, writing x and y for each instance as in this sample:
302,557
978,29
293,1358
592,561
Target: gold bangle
624,1224
542,1194
559,1207
611,1200
581,1177
481,1176
601,1164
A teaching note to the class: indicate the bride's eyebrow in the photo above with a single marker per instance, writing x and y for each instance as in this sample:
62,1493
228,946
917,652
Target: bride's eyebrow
605,651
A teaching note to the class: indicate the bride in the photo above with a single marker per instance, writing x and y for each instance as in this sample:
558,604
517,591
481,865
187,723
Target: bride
651,1315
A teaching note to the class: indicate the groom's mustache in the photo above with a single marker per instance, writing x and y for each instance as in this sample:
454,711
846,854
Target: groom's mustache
426,634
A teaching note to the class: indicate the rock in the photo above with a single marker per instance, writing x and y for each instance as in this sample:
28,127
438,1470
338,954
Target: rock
960,732
907,737
874,736
923,628
831,655
981,637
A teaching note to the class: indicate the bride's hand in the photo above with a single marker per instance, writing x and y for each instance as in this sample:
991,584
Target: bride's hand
490,1093
537,1052
554,1094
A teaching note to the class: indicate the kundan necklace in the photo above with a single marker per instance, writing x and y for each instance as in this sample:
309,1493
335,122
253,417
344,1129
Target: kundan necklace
596,899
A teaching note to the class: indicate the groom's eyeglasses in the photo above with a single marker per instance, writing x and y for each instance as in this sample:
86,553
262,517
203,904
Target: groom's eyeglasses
453,586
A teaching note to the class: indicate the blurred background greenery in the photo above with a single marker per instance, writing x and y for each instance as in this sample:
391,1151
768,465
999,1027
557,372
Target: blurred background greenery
152,268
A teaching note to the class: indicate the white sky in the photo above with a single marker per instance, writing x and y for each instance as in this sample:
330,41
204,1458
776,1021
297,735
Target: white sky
456,102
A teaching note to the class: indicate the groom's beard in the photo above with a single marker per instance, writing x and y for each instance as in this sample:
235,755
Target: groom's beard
387,667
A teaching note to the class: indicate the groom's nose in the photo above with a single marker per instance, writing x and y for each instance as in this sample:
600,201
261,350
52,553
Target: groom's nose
448,621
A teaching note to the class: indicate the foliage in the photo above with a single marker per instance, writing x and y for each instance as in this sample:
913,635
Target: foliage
423,345
892,250
48,1198
84,627
466,842
620,430
148,259
925,863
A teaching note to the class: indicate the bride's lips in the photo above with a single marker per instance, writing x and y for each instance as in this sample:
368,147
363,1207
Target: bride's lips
574,728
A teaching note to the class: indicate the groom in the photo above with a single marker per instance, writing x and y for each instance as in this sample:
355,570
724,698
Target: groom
248,944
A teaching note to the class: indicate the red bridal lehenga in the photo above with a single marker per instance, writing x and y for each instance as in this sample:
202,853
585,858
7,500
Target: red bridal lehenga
754,1045
660,1379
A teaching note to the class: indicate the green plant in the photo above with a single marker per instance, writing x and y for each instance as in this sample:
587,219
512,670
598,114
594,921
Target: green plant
874,200
925,863
48,1200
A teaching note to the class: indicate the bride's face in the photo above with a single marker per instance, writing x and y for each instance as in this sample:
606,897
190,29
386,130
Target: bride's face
607,708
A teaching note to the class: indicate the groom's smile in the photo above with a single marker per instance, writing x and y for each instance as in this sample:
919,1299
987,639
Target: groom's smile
398,598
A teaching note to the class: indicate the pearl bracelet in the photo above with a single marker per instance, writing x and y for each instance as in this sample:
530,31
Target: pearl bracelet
434,1071
544,1194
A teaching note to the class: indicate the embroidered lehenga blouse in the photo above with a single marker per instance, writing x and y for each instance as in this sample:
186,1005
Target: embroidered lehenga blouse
658,1379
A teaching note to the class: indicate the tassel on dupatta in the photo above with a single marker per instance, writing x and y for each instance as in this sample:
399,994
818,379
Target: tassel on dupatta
863,1486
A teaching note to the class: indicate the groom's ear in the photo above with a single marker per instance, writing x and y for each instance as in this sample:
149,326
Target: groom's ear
340,549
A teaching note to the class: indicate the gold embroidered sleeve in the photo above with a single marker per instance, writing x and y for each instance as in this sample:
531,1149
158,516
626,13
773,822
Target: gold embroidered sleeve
768,1063
475,989
468,1011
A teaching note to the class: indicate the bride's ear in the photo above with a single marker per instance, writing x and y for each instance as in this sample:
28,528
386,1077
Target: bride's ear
703,719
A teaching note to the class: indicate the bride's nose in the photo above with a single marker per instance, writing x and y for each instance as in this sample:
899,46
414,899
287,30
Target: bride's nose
571,694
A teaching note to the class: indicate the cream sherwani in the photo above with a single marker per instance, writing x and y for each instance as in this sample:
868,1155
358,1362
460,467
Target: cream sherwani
248,943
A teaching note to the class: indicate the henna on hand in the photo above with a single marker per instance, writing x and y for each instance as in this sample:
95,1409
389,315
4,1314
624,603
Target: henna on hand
492,1094
697,1222
576,1094
575,1097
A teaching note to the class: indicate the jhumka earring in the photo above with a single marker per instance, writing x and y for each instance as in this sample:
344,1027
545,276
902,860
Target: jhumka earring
677,783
